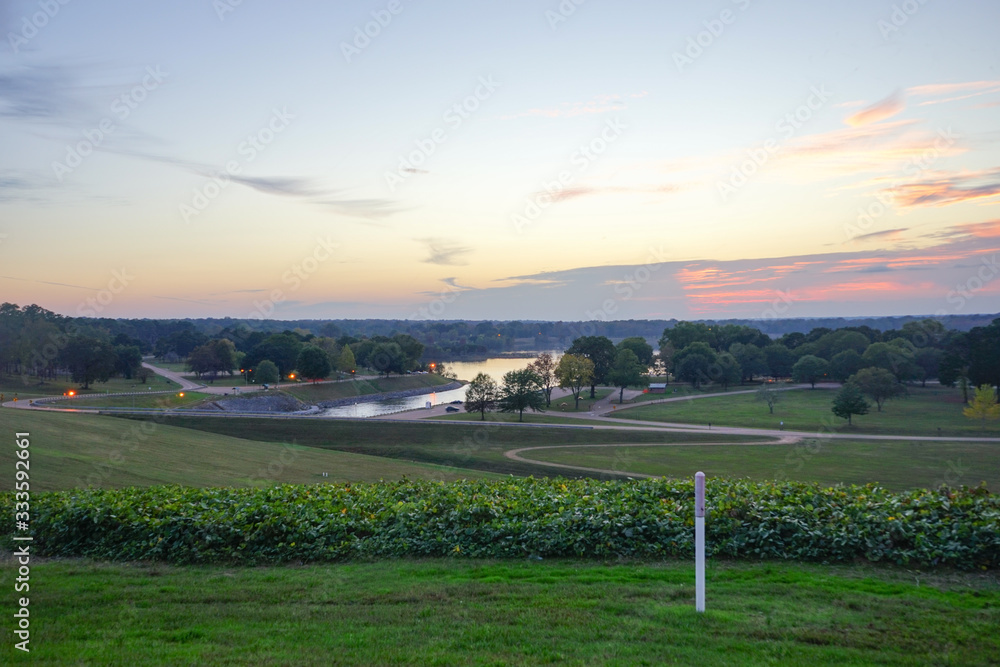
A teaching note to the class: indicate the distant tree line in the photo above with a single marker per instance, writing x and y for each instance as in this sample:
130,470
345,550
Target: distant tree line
38,343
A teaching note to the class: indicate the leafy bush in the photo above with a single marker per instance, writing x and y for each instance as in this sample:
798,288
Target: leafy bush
517,518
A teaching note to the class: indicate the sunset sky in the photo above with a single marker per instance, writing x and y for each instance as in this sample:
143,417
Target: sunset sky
500,160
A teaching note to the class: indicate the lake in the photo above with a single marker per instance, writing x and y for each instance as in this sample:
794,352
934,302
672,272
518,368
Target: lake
465,370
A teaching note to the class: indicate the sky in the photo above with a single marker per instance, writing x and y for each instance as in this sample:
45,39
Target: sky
573,160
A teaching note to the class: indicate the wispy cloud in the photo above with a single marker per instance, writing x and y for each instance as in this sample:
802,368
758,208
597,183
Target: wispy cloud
885,108
953,91
950,189
597,104
887,234
443,252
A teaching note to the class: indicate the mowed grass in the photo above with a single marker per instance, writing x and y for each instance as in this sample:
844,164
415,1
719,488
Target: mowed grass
926,411
458,612
897,465
148,401
75,450
329,391
29,387
568,404
512,418
475,446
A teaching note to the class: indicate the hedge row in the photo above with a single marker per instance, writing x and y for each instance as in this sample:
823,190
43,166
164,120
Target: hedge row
516,518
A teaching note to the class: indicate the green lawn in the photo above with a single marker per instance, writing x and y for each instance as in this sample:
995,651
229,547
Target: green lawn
314,393
924,412
461,612
72,450
566,403
29,387
474,446
529,418
175,366
150,401
897,465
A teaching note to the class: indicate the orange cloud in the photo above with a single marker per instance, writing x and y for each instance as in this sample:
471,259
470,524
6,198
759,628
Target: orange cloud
885,108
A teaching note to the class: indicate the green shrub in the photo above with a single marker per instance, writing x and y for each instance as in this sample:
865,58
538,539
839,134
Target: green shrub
516,518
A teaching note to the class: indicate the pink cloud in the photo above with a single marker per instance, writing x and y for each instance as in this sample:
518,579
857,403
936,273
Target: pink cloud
885,108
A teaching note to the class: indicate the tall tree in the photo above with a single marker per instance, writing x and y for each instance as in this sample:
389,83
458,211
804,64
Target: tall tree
346,363
878,384
849,401
767,395
313,363
751,360
779,360
627,371
983,405
128,360
810,368
601,351
643,350
387,358
693,363
88,359
545,367
266,372
574,372
521,390
482,395
845,364
726,370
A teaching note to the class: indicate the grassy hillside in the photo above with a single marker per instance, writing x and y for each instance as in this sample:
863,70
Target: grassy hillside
475,446
896,465
72,450
29,387
456,611
924,412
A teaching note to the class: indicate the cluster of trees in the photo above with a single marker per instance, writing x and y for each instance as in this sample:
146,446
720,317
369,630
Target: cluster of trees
313,357
921,350
37,342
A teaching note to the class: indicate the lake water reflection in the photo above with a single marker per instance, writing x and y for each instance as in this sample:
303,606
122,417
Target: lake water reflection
465,370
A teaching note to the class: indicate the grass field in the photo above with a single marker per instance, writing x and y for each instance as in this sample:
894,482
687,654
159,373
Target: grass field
175,366
29,387
150,401
314,393
447,612
896,465
72,450
474,446
529,418
924,412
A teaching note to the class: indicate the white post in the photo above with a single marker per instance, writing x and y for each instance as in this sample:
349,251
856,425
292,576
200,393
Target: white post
699,541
